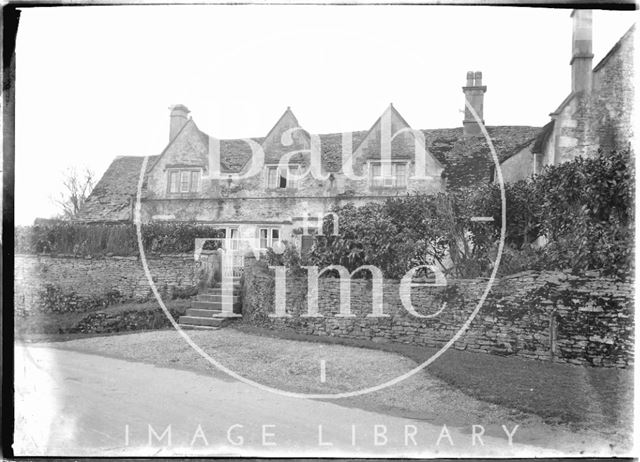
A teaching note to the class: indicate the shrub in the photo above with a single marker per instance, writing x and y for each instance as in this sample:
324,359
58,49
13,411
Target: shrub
586,212
367,236
290,258
112,239
583,208
53,299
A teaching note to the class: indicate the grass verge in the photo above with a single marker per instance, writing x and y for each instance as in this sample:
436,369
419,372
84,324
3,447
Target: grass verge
585,397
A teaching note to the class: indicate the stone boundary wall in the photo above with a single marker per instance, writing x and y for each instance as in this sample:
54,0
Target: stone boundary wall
554,316
87,278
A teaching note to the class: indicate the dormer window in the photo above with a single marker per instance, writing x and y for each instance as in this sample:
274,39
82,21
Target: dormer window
388,174
184,180
279,178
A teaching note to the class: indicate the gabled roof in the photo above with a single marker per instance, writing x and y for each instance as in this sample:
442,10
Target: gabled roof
273,146
392,113
286,120
402,145
467,161
234,153
564,103
627,36
543,137
110,200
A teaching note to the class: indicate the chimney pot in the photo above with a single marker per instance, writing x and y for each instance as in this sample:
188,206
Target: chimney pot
474,95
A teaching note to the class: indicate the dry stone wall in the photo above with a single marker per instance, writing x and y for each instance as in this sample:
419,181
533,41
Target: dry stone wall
583,320
84,283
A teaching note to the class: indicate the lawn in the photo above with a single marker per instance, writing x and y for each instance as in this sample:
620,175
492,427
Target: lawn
583,397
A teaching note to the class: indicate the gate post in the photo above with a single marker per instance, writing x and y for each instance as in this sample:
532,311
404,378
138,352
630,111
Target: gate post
226,292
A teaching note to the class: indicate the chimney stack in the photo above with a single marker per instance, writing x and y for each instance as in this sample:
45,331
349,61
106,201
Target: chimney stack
474,93
581,53
179,116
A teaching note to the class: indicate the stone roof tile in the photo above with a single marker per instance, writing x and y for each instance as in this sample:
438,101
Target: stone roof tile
467,161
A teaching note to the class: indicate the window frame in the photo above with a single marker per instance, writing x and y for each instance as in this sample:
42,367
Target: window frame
270,240
389,177
290,184
180,176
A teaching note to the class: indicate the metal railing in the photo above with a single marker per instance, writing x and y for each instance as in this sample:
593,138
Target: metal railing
232,261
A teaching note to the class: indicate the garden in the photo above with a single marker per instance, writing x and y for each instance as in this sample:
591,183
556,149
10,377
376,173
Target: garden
575,217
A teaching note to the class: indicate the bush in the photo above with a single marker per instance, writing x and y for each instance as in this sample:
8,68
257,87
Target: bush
367,236
112,239
53,299
290,258
587,213
583,208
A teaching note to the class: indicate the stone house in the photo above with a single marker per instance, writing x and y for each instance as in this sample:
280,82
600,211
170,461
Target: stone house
201,179
597,113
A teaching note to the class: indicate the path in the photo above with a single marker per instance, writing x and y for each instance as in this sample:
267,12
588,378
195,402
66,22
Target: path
70,403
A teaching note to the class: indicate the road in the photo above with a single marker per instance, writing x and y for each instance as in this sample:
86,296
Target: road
76,404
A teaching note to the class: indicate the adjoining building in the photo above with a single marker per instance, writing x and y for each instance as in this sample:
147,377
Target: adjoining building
596,115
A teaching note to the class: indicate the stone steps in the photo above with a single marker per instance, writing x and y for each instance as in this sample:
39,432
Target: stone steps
206,310
199,321
197,312
220,291
218,298
216,306
196,327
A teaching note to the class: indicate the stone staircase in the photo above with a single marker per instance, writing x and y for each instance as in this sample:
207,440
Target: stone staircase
206,308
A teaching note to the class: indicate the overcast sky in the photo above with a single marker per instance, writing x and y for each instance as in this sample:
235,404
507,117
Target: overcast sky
94,83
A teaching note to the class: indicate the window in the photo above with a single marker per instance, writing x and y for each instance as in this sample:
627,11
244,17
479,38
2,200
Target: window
264,238
234,239
278,178
184,180
388,175
268,237
173,187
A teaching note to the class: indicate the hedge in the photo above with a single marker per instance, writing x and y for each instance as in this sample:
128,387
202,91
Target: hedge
112,239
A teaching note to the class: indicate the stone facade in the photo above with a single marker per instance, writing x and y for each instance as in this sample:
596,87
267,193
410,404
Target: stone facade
519,166
544,316
600,118
239,199
199,178
95,277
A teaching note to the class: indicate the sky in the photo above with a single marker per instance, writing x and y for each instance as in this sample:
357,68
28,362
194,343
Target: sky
94,83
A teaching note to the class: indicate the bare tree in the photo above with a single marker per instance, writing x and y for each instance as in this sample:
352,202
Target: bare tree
77,187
